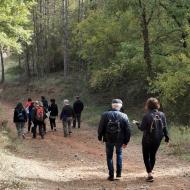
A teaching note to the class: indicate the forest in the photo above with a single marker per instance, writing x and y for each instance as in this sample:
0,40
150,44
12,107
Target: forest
65,62
131,49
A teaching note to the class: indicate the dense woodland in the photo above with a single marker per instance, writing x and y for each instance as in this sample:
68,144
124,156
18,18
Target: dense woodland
129,48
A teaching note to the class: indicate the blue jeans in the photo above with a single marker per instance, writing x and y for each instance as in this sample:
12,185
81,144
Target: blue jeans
109,153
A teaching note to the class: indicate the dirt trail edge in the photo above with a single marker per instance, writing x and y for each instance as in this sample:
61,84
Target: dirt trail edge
78,162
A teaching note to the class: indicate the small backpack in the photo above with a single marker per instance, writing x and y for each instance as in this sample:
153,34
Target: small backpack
40,114
156,128
113,130
20,115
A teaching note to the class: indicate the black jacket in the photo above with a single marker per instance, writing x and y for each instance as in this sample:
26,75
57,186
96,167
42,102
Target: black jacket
20,115
67,111
78,106
53,109
147,122
125,133
45,105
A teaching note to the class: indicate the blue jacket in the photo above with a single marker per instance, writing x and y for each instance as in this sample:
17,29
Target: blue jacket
125,133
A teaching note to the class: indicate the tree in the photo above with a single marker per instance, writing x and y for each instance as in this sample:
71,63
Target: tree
14,15
65,36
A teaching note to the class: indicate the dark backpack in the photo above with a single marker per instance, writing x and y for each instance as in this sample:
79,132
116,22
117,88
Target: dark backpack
156,128
20,115
113,130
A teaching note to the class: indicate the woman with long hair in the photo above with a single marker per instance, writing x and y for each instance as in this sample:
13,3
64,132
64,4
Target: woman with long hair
154,127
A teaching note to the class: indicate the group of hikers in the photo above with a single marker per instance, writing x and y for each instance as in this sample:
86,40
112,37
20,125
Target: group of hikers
36,114
114,130
114,127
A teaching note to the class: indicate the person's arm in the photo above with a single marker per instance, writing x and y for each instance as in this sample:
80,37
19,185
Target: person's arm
143,124
101,128
57,111
15,116
165,131
127,131
82,106
61,115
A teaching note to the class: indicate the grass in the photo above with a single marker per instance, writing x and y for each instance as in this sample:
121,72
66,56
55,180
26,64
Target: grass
180,141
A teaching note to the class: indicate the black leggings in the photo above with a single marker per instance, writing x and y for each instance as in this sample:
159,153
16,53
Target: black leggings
52,123
149,155
41,129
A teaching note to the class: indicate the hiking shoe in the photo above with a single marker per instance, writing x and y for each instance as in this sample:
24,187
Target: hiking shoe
150,179
118,175
110,178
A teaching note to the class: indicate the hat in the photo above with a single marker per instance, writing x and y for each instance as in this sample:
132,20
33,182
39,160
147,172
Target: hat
117,101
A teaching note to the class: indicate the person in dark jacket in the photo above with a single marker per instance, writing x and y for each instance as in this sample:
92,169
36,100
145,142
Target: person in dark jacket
45,103
78,107
20,118
53,109
45,106
114,130
67,116
38,118
28,106
154,127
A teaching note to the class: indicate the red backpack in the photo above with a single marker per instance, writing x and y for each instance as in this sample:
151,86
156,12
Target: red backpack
40,114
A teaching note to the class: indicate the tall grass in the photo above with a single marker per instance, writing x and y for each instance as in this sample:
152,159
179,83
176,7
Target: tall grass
180,141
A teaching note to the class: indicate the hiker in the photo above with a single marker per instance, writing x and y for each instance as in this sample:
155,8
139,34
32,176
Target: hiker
53,109
114,130
38,119
78,107
28,108
154,129
45,105
30,116
67,116
28,104
20,118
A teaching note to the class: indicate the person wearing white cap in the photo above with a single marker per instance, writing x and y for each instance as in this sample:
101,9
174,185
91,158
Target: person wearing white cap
67,116
114,130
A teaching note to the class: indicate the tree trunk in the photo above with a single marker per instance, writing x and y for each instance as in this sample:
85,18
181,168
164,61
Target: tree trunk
28,62
2,67
147,52
65,37
145,33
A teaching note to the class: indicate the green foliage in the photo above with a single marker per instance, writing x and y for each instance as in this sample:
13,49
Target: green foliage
14,17
173,87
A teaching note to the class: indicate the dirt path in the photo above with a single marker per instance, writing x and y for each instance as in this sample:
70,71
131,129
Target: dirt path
78,162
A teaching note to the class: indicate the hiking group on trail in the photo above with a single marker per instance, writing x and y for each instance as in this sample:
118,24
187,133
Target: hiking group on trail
114,127
36,114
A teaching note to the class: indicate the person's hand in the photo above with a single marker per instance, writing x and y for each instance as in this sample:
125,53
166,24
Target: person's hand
136,122
124,146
